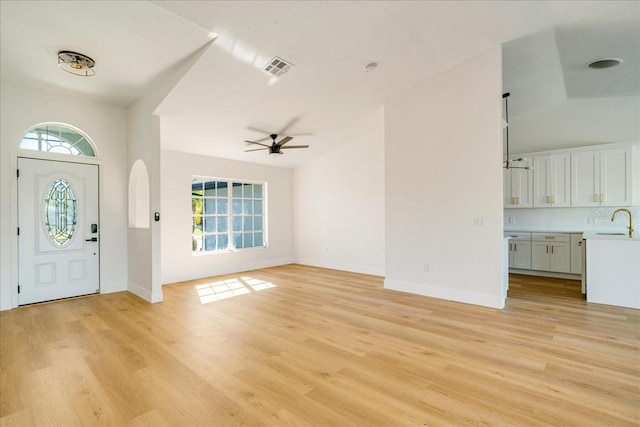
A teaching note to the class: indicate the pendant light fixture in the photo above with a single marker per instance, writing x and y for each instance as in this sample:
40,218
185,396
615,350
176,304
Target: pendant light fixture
76,63
507,163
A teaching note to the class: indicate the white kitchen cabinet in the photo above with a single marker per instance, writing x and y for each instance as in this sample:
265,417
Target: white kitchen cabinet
519,250
551,252
540,256
601,177
560,259
576,253
552,181
518,185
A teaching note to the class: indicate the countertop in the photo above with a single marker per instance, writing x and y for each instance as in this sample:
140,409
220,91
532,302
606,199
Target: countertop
594,235
544,230
591,234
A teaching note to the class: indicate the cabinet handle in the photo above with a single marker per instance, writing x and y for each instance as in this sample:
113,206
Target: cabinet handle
553,199
551,249
596,198
547,249
515,248
601,197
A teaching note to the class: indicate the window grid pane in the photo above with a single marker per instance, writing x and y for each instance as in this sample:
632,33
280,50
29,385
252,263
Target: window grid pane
56,138
219,227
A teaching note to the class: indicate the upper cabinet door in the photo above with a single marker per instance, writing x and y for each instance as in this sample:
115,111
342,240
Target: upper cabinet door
615,176
552,181
601,177
585,178
518,186
541,187
561,182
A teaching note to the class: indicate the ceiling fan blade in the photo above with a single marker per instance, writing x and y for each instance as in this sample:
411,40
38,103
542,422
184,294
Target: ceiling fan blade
257,143
285,140
257,149
301,134
288,125
294,146
255,129
266,138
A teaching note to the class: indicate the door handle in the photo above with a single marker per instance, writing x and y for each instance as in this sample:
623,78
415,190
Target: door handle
93,239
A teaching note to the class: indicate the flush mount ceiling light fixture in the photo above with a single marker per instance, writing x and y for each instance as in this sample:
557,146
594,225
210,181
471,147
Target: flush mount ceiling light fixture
507,163
76,63
602,63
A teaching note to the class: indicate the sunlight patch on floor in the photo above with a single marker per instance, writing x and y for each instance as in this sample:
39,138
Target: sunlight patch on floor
223,289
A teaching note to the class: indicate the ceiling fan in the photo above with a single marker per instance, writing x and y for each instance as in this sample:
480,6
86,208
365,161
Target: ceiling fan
275,147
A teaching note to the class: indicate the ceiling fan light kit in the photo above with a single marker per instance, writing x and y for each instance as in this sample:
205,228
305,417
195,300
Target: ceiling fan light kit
507,163
76,63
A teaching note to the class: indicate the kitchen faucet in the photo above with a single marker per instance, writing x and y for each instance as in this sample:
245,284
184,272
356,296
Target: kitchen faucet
630,219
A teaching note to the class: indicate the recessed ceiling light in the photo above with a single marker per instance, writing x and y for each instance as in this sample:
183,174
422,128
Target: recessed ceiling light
599,64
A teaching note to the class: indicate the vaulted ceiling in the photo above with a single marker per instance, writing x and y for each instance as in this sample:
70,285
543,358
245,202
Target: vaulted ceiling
226,98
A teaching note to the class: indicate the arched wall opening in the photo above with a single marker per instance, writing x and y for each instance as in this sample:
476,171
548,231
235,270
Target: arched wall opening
139,195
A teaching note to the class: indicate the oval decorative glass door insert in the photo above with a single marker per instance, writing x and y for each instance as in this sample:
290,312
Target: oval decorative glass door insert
60,212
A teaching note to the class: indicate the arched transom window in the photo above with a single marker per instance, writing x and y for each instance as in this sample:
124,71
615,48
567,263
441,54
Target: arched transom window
56,138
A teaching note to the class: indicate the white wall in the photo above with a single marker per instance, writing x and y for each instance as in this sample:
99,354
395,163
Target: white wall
21,108
145,247
143,243
178,264
443,148
339,202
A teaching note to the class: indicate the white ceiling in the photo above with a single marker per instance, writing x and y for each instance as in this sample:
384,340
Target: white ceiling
131,42
210,110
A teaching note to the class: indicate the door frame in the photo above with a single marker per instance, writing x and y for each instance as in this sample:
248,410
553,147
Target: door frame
60,158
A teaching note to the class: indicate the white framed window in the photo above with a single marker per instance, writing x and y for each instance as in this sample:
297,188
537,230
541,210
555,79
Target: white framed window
227,215
58,138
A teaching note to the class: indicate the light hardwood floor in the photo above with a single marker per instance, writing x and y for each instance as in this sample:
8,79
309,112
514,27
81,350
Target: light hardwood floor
302,346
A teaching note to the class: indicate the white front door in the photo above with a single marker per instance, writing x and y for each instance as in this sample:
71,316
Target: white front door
58,246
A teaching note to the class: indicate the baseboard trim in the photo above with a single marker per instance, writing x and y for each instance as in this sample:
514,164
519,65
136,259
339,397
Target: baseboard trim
342,266
546,274
145,294
6,304
492,301
219,271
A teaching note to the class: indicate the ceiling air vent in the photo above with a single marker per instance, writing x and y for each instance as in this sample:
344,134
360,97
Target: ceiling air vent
277,66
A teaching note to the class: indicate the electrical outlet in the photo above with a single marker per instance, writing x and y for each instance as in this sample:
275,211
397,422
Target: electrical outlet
512,220
425,267
478,220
